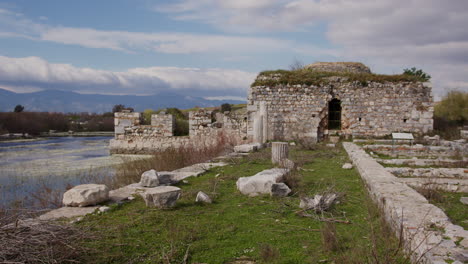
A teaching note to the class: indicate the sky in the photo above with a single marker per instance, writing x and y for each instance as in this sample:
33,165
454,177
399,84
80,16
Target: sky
215,48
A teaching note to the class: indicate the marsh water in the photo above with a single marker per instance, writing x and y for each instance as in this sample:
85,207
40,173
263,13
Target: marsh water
51,164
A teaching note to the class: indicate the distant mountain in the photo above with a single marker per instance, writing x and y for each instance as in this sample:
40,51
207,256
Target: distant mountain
62,101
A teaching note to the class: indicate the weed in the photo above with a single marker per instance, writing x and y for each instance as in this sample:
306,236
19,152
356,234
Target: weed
268,253
329,237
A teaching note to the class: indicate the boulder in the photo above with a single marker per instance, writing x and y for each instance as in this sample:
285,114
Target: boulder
149,179
247,148
162,196
86,194
347,166
203,198
261,182
279,190
330,145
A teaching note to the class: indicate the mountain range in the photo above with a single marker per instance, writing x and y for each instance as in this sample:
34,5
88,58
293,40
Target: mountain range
66,102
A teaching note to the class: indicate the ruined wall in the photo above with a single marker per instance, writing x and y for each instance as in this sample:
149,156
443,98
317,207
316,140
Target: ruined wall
368,109
123,120
159,136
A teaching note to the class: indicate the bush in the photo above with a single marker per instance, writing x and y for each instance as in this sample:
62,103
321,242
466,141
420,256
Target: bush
226,107
418,73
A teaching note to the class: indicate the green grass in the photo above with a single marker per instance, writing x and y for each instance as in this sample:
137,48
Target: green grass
455,210
262,228
311,77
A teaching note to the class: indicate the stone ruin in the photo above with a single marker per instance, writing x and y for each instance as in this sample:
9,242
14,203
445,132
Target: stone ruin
338,103
133,138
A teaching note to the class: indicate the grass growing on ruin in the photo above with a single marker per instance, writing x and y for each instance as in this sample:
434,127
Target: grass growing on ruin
264,229
311,77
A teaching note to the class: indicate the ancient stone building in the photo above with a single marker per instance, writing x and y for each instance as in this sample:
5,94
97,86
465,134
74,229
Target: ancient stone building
336,98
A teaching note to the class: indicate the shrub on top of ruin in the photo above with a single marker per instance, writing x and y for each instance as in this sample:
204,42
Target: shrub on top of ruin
418,73
19,109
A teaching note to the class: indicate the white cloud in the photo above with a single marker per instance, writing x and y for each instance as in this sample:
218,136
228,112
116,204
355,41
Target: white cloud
16,25
36,73
390,34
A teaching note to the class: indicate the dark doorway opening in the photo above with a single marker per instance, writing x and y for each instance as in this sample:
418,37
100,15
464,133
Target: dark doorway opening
334,114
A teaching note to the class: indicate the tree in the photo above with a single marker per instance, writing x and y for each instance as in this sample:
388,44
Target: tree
147,116
226,107
120,107
19,108
418,73
453,107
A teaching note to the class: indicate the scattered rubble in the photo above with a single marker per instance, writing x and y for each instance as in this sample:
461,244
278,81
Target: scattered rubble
203,198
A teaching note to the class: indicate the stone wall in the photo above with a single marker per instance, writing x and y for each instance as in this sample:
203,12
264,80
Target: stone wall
368,109
123,120
146,139
198,121
427,233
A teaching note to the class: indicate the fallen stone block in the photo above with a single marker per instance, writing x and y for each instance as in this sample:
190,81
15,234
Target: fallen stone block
203,198
318,203
149,179
86,194
261,182
464,200
162,196
347,166
279,190
330,145
247,148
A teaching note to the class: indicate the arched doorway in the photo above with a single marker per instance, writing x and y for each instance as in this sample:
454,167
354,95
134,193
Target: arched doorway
334,114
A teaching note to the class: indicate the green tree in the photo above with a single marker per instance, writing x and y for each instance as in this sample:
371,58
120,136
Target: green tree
226,107
19,108
453,107
418,73
147,116
120,107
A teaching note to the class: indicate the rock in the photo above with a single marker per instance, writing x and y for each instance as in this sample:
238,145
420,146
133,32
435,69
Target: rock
464,200
287,164
161,196
347,166
149,179
260,182
247,148
104,209
330,145
319,203
86,194
279,190
203,198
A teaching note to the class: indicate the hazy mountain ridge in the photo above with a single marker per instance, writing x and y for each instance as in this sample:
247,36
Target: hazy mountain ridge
63,101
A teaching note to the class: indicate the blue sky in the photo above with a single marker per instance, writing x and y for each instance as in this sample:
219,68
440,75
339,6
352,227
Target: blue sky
215,48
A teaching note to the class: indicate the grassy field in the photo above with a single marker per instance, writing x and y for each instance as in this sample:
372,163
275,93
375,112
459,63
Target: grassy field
262,229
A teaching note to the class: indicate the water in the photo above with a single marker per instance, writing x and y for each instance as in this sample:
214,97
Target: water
26,167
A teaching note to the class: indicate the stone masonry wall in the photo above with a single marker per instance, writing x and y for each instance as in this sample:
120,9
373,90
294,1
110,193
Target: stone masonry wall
371,109
159,136
198,121
123,120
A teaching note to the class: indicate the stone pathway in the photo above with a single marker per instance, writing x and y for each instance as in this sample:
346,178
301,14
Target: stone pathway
427,232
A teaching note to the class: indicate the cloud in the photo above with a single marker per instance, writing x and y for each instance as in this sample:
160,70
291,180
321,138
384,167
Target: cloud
390,34
16,25
35,73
